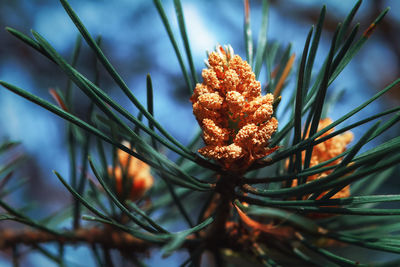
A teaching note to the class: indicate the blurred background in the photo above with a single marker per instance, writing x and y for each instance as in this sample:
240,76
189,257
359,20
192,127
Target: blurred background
135,41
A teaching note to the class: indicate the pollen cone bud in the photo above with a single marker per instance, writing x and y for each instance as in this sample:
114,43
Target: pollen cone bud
137,174
236,119
325,151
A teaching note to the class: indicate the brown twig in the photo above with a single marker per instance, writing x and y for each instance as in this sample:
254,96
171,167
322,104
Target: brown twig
218,233
94,235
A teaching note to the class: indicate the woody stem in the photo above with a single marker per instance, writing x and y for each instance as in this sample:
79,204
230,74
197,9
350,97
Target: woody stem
226,189
106,237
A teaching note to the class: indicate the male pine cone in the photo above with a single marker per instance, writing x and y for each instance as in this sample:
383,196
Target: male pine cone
236,119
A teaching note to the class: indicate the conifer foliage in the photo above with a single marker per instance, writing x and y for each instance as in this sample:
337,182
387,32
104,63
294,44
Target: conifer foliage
250,188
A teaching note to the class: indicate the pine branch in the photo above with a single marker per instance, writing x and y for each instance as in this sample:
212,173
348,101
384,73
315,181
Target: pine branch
93,236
